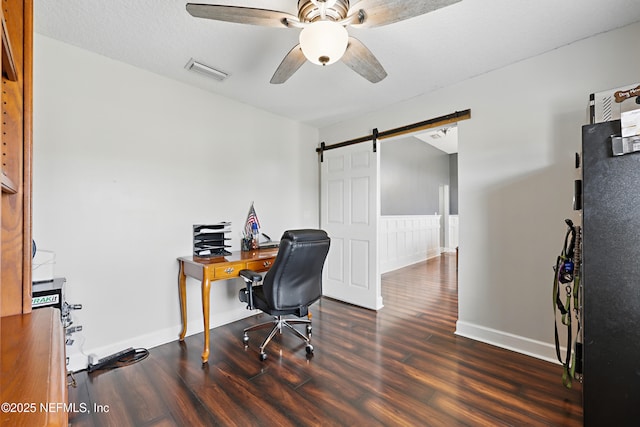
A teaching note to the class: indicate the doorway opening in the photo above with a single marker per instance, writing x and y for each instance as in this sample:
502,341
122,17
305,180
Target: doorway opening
418,197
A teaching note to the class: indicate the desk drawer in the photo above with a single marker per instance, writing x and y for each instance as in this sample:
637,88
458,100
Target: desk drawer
261,265
228,271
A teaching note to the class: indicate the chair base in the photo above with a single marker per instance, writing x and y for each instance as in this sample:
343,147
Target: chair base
277,324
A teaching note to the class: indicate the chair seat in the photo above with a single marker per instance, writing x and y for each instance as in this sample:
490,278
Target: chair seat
260,302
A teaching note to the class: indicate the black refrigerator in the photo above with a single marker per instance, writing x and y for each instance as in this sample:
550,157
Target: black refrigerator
611,279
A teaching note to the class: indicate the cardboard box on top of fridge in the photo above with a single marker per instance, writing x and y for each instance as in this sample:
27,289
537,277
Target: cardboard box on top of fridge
610,104
630,123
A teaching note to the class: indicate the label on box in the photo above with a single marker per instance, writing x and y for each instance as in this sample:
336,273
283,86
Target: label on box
44,300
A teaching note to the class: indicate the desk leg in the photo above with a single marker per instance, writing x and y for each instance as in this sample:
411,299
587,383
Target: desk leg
182,289
206,287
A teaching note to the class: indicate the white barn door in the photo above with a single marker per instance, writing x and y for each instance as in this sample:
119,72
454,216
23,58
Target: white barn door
350,209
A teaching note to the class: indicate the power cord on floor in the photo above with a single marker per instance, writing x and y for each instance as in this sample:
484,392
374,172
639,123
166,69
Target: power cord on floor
117,360
138,355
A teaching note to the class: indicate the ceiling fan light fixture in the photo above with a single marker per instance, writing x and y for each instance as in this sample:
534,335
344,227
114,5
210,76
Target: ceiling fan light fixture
324,42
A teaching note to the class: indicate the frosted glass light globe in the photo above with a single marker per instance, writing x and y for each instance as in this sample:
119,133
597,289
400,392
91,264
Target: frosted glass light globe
324,42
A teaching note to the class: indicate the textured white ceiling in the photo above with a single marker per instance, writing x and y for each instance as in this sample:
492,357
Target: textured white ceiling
420,54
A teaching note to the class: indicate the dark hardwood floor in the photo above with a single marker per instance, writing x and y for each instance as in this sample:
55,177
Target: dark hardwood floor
402,365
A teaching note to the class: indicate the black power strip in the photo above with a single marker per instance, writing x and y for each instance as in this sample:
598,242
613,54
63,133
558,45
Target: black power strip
106,361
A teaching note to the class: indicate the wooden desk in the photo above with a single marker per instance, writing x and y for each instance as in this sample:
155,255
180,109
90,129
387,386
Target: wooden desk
213,269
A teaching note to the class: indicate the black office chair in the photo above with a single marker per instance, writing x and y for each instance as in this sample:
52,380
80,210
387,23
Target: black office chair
293,283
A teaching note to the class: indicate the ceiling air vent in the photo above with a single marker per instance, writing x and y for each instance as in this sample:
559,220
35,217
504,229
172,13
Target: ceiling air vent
201,68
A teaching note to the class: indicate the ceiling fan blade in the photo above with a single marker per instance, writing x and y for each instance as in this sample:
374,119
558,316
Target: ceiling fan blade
241,15
383,12
361,60
289,65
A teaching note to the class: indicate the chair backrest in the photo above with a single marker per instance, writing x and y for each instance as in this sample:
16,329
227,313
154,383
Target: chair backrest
295,279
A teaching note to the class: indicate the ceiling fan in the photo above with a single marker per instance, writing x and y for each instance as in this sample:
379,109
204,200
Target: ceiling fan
324,38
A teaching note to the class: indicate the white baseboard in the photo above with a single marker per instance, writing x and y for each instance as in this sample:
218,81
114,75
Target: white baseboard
538,349
398,266
78,357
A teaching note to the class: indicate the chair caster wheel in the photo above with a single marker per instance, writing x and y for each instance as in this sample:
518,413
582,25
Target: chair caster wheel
245,339
309,349
263,356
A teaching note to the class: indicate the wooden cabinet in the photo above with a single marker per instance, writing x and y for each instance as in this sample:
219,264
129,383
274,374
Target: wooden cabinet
16,113
32,352
33,380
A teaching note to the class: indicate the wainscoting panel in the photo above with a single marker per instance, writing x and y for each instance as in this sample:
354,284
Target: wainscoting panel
405,240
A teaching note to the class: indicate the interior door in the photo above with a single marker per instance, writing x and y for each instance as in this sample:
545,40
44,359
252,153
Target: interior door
350,209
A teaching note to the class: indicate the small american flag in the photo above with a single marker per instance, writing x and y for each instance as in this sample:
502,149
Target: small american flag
252,218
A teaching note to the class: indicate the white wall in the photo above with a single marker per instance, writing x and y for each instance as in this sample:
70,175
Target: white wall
516,171
411,173
125,162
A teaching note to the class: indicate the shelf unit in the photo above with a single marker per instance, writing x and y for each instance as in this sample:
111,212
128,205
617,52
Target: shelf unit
15,176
